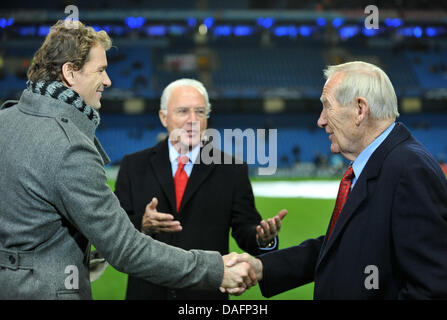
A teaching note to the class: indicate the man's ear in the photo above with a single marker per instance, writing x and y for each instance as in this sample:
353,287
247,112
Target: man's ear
162,116
361,109
68,74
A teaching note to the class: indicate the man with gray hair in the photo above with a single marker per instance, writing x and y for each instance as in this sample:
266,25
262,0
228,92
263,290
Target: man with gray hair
387,238
171,194
55,197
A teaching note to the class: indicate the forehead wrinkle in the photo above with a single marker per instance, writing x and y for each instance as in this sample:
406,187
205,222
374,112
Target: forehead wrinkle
331,86
184,93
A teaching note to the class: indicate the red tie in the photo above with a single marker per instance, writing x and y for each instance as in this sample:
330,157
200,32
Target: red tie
343,192
180,179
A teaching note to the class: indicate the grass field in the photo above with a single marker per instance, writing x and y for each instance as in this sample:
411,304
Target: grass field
307,218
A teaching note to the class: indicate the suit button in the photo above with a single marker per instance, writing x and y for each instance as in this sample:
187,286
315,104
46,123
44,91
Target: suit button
64,120
12,259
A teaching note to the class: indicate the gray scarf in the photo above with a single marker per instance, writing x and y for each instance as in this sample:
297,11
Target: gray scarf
57,90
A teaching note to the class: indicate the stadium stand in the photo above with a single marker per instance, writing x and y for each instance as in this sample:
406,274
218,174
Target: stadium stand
297,140
242,72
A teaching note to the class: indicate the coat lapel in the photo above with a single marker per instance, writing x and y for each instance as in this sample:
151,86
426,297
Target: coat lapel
360,191
159,160
356,197
198,175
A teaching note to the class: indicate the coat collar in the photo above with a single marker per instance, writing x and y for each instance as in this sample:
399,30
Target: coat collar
161,166
39,105
36,104
359,193
198,175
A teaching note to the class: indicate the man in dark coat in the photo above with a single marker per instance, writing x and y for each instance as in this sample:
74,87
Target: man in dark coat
214,197
387,238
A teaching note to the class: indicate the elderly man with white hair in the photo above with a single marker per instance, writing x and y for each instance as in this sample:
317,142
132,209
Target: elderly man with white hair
387,238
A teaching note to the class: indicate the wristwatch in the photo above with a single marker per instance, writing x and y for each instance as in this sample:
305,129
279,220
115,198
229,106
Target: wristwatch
270,244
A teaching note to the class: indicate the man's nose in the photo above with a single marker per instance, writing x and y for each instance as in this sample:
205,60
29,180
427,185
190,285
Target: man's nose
106,81
192,115
322,121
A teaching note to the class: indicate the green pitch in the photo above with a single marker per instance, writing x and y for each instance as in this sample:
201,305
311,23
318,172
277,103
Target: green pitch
307,218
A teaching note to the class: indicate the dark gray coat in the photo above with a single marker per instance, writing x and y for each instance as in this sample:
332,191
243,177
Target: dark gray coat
54,197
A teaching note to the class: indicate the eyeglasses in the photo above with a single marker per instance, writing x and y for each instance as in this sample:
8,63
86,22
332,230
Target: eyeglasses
200,112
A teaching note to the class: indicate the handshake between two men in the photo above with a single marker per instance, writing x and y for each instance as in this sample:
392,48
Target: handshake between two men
241,272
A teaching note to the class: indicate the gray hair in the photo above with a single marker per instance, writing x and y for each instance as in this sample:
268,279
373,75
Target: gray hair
166,95
366,80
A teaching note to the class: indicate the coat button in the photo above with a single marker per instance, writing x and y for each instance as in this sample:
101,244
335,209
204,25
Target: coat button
64,120
12,259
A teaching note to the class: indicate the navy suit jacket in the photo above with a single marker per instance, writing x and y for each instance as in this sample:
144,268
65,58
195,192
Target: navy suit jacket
395,220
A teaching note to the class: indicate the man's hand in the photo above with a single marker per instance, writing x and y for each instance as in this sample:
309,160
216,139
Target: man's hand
266,231
246,267
237,276
155,222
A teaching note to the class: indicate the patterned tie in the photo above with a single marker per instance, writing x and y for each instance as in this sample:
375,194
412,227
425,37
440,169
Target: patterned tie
342,196
180,179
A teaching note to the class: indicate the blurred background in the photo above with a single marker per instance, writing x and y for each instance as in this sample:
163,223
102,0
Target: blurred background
261,62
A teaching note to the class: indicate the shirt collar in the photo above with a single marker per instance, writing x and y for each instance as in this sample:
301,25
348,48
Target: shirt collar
360,162
174,154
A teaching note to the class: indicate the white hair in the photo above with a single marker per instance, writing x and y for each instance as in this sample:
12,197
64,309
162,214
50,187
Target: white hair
361,79
166,95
